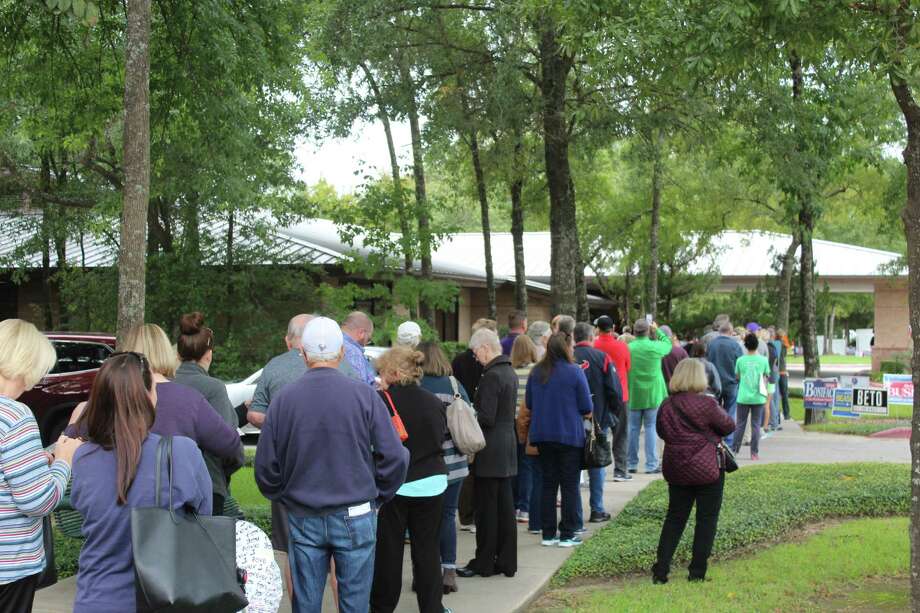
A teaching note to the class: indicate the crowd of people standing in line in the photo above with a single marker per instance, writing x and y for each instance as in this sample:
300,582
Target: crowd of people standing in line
345,517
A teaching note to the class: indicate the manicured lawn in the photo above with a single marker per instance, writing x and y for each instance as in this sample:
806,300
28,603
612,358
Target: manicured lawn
856,565
834,359
762,504
244,489
899,416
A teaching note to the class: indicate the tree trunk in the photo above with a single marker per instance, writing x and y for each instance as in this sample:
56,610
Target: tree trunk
911,219
231,227
785,283
627,297
421,196
565,252
45,182
651,293
132,246
486,227
517,238
399,196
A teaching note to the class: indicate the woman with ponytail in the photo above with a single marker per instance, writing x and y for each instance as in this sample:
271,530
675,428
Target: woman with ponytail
114,471
196,350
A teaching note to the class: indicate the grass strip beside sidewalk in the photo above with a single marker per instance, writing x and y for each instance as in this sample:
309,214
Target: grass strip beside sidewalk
860,565
762,504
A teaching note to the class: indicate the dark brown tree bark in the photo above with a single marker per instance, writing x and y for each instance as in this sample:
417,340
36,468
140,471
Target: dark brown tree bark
565,251
398,195
911,218
517,238
421,195
808,334
132,246
654,259
627,297
486,226
47,212
785,283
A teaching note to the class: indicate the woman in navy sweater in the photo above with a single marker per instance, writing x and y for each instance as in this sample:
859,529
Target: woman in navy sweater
559,400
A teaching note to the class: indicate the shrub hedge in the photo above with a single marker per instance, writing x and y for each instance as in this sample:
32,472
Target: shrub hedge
761,504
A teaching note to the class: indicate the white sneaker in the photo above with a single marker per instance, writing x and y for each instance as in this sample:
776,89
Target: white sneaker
549,542
572,542
523,517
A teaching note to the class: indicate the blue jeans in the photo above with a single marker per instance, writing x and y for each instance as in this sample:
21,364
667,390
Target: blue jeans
351,541
730,404
449,526
536,493
596,484
637,419
524,482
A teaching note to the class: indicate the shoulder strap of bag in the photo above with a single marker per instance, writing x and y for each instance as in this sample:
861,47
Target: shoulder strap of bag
453,385
165,445
390,402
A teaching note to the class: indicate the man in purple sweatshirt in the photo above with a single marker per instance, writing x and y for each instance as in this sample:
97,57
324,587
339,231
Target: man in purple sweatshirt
329,453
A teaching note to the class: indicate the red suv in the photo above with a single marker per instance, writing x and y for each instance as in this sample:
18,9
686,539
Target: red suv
52,400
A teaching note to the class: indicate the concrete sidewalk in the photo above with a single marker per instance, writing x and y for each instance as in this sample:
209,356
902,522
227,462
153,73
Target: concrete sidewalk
537,565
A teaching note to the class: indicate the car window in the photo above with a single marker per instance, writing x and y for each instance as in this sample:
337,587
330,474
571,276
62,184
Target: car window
76,356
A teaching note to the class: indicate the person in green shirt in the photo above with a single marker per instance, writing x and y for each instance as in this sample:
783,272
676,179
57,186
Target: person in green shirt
647,390
751,370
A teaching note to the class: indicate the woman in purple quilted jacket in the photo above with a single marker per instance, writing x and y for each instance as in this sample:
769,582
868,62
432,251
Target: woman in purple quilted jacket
691,424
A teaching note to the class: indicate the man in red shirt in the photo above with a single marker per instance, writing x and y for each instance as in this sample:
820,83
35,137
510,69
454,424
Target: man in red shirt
619,355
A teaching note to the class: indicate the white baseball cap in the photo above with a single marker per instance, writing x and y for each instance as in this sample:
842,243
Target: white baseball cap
322,339
408,333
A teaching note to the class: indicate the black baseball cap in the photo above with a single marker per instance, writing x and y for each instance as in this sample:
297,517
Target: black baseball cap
604,323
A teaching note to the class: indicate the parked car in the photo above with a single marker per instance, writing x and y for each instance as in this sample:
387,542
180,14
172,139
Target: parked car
243,391
52,400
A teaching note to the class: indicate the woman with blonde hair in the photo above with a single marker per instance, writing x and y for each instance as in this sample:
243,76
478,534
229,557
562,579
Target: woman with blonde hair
417,505
31,482
529,481
692,425
180,409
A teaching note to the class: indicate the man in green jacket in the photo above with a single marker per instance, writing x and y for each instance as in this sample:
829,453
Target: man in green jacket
646,391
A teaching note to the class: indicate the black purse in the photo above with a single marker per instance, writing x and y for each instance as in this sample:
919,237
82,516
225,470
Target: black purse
49,576
597,452
724,455
183,563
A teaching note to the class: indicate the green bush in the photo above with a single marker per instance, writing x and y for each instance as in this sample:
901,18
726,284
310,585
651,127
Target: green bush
761,504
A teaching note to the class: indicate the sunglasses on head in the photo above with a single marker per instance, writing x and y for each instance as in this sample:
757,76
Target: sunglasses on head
141,358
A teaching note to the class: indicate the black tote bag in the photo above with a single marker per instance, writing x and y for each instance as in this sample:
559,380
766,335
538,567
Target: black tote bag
183,563
597,452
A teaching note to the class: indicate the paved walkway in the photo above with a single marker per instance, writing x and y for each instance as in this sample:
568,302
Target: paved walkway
537,565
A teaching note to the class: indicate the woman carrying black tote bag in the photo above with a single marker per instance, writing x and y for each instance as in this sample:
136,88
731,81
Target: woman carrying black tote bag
114,475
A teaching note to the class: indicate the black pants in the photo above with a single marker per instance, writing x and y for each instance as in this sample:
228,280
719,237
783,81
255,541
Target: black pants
467,506
561,466
496,528
620,442
708,500
422,517
17,597
784,394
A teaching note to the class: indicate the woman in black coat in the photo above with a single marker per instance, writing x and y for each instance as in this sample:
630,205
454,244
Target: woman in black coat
496,465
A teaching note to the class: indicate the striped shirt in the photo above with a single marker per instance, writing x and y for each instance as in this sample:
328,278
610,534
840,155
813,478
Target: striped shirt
457,465
29,490
523,373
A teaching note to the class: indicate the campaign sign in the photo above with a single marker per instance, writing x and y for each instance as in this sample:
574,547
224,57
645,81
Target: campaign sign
870,401
819,393
843,403
855,381
900,388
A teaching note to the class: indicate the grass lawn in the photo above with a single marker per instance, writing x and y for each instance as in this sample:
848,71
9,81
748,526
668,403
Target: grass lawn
834,359
898,416
244,489
763,504
856,565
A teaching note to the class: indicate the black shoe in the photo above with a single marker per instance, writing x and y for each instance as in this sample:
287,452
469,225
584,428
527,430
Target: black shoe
633,470
659,580
693,579
597,518
466,572
653,472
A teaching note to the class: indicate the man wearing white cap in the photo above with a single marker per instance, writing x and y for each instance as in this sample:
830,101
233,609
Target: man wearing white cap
329,453
408,334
